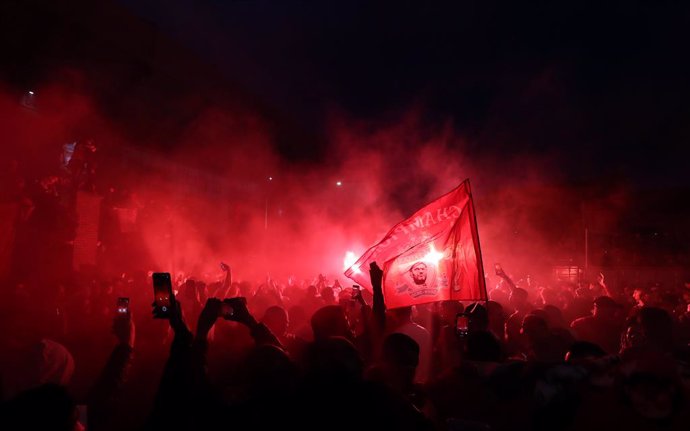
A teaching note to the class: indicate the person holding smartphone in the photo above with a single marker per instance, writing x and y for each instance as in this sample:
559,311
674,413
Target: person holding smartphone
98,410
163,296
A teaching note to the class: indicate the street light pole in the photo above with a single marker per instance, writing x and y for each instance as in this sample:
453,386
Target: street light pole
268,191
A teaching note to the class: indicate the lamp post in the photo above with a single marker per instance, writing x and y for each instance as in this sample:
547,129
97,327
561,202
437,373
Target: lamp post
270,180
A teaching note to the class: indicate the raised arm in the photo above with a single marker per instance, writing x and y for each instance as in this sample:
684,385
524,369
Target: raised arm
175,391
379,306
507,279
113,374
259,332
602,284
207,319
227,283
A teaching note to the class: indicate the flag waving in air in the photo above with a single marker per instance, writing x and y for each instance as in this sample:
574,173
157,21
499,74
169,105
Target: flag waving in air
432,256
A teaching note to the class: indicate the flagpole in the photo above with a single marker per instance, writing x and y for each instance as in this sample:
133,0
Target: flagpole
482,276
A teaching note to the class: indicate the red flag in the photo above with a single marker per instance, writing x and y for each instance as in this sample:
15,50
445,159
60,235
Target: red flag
432,256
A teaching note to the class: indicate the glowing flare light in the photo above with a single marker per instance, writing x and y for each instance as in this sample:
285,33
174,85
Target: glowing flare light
350,259
434,256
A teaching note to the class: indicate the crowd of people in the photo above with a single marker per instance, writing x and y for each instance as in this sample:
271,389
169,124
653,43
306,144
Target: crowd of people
314,354
303,354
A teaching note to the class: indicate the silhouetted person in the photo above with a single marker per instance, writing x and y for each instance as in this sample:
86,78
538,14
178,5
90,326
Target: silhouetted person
542,345
330,321
401,322
397,368
603,327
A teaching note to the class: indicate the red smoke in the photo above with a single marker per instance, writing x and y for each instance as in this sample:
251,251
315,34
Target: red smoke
207,196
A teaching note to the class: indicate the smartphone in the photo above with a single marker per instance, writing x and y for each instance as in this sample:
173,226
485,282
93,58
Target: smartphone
461,325
163,296
122,306
229,305
498,268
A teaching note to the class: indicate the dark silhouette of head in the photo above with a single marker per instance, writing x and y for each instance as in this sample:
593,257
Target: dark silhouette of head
401,351
483,346
450,309
534,327
327,295
400,357
478,317
497,318
605,308
330,321
269,371
45,407
554,316
276,318
333,359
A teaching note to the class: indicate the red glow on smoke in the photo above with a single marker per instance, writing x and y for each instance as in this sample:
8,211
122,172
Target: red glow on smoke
434,256
350,259
213,193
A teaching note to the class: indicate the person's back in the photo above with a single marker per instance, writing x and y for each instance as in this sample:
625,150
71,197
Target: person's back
334,395
330,321
602,327
397,368
580,305
404,325
265,393
595,331
543,345
497,319
461,392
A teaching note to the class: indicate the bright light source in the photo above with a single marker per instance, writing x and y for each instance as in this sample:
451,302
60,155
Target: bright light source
351,259
270,178
31,93
433,257
338,183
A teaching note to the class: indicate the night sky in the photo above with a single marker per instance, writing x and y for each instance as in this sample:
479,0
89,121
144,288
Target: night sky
601,86
599,89
561,113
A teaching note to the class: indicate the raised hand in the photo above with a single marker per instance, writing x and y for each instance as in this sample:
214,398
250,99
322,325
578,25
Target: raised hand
379,306
240,312
376,275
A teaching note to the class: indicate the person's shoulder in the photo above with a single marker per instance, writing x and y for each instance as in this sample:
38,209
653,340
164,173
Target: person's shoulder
413,330
418,328
582,321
